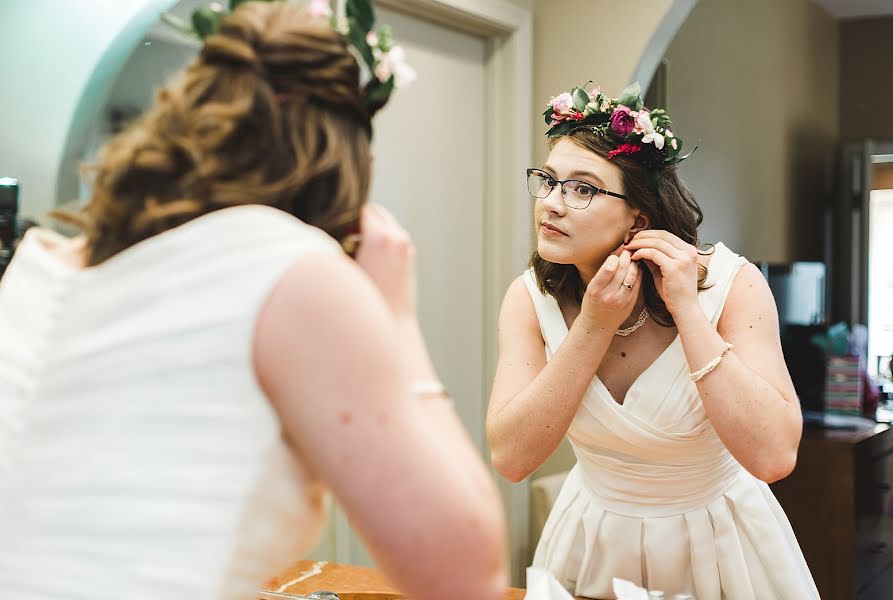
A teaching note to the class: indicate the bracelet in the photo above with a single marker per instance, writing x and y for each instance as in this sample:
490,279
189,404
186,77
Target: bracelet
701,373
429,389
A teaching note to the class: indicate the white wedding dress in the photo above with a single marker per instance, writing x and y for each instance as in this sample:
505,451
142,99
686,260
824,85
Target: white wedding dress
655,498
139,458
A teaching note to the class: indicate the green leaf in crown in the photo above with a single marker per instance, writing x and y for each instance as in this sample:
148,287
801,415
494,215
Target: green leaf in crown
631,97
362,13
581,99
206,20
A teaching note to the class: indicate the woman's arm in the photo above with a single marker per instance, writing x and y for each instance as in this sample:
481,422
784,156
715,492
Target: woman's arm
533,402
338,367
749,397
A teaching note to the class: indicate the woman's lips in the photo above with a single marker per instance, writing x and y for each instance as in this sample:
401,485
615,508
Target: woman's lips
551,230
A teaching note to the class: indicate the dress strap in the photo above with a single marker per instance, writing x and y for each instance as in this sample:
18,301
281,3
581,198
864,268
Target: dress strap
548,313
724,266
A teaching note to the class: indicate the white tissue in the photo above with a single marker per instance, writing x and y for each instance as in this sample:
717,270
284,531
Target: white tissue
542,585
627,590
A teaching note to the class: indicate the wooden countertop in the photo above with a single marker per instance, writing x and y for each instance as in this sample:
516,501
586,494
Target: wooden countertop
364,583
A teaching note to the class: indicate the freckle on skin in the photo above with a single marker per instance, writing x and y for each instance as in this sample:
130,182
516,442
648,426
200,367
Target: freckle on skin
345,417
623,354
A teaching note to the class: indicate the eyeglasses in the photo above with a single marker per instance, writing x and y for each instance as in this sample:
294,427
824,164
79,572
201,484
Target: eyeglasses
574,193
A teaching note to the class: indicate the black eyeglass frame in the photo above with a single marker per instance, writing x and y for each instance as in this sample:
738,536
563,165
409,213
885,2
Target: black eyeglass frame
561,183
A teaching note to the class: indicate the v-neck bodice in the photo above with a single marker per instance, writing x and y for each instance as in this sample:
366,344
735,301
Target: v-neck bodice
666,369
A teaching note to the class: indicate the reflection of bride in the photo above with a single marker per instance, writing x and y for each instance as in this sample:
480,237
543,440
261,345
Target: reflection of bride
661,364
179,385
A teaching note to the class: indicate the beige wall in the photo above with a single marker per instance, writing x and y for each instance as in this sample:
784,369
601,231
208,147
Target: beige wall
866,78
580,40
757,83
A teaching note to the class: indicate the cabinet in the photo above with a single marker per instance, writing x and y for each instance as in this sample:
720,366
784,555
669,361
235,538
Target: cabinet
840,505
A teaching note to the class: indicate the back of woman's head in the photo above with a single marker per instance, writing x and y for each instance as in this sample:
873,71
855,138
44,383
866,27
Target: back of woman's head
270,112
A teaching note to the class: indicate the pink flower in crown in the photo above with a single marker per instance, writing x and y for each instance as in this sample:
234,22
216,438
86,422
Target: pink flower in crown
320,9
623,121
594,93
562,107
643,124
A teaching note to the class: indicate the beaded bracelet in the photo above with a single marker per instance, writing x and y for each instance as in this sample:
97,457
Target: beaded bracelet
430,389
701,373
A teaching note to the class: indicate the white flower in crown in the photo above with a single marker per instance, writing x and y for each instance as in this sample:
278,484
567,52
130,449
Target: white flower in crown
320,9
372,39
393,63
654,138
562,104
644,126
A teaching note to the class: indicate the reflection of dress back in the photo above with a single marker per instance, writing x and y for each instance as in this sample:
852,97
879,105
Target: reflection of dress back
138,456
655,496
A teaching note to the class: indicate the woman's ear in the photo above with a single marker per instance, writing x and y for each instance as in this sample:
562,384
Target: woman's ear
641,223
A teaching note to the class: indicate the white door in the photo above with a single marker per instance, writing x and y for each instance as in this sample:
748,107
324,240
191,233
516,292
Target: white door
430,172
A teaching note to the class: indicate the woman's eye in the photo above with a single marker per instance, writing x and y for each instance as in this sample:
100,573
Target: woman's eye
585,190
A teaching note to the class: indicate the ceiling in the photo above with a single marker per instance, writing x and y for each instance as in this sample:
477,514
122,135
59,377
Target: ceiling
849,9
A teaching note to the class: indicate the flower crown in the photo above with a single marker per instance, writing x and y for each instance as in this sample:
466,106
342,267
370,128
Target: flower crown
383,63
632,129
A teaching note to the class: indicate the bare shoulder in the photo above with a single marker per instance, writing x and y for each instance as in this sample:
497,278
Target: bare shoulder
518,312
750,304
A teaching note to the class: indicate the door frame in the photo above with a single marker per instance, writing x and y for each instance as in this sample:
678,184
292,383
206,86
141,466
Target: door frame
507,29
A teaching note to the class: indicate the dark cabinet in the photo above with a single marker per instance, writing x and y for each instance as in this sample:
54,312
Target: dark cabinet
839,500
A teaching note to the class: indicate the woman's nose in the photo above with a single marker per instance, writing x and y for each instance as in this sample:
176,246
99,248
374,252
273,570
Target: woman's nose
554,203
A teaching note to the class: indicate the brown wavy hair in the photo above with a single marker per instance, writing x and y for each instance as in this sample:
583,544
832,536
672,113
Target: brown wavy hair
270,113
671,207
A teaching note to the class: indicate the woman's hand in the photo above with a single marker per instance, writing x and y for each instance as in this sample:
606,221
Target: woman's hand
611,294
387,255
673,264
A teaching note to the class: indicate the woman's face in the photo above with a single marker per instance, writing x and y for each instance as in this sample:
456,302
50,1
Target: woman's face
583,237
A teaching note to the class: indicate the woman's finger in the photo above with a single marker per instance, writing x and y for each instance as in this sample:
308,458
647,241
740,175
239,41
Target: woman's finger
656,256
658,243
632,276
663,235
623,264
605,273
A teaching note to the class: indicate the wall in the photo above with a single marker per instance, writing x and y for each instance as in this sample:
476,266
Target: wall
576,41
866,78
757,83
58,58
